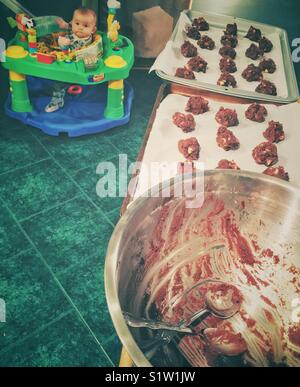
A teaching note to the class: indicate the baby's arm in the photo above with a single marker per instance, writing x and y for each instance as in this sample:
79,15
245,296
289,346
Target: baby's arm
62,24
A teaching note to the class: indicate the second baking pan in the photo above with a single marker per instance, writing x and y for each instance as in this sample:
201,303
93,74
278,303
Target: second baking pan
285,75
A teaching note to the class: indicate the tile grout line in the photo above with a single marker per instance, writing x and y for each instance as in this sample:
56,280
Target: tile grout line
19,253
74,266
111,143
84,168
25,166
79,315
111,338
39,330
75,183
49,209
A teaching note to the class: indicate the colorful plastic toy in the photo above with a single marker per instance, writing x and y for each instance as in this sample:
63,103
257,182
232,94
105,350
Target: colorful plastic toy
34,59
75,90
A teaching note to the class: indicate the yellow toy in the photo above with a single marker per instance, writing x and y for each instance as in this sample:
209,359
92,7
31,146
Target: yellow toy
113,32
113,6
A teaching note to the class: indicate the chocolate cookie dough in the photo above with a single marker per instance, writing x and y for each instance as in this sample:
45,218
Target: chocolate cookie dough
201,24
197,105
197,64
265,45
252,73
226,164
267,66
254,34
266,87
190,148
227,117
231,29
206,42
186,122
266,154
188,50
256,112
183,72
229,40
227,51
193,33
274,132
227,80
254,52
226,139
277,172
227,65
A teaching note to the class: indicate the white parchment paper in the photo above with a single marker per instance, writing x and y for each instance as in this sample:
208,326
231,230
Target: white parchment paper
171,58
163,141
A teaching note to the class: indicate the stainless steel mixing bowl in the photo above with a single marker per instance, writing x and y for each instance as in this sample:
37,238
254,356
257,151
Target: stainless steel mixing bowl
274,201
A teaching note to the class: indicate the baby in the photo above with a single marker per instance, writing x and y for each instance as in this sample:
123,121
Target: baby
79,35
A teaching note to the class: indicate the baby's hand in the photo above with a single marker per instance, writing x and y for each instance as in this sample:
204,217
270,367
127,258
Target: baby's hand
63,41
62,24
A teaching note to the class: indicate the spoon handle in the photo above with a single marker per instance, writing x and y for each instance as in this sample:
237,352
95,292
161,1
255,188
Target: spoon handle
198,317
134,322
158,341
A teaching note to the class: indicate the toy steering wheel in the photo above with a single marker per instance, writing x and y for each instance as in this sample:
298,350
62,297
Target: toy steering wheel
75,90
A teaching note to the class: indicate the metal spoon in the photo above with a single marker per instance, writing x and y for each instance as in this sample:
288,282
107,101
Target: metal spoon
217,303
134,322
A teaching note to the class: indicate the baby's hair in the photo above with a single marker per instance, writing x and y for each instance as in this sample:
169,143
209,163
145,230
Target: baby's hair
86,11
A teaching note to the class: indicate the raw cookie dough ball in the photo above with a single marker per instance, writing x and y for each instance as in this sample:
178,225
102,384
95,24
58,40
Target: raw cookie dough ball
206,43
193,33
254,52
227,51
278,172
201,24
231,29
227,80
190,148
197,105
226,139
254,34
226,164
256,112
267,66
197,64
229,40
266,87
186,122
252,73
227,117
183,72
274,132
188,50
266,154
227,65
265,45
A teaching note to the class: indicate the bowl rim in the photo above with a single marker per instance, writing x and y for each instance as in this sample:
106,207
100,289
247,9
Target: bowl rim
111,259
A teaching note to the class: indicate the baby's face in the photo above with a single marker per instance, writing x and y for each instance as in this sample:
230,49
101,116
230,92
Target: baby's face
83,26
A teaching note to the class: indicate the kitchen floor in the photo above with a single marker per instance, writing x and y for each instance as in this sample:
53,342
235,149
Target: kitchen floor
54,231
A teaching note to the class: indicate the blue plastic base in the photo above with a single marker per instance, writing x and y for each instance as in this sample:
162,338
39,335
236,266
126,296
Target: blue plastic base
82,114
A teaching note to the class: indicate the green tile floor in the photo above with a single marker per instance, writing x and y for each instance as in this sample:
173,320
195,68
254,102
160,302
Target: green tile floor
54,231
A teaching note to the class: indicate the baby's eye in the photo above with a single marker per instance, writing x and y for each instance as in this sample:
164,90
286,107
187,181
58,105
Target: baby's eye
77,23
86,25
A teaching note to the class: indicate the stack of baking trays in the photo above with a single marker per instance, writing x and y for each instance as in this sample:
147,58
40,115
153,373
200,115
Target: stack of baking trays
231,102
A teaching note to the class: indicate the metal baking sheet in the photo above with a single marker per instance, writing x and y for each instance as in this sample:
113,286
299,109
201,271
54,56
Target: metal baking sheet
285,74
161,140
